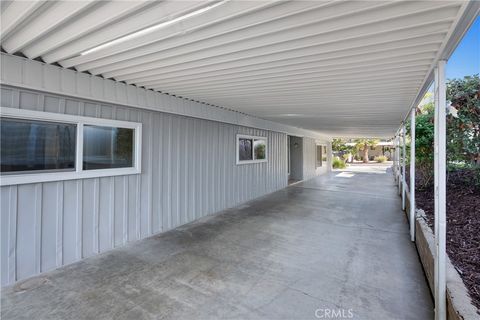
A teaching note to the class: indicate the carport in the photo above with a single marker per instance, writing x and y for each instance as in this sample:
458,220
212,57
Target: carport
325,244
191,81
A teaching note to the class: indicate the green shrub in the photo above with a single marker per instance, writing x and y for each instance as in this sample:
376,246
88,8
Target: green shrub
380,159
338,164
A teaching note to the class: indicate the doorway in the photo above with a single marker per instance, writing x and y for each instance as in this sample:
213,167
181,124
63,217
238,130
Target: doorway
295,159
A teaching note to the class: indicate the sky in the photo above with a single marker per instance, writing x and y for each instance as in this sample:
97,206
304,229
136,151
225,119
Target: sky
465,60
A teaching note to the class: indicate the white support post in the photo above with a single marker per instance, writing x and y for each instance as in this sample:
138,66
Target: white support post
394,158
397,166
399,173
404,159
412,175
440,192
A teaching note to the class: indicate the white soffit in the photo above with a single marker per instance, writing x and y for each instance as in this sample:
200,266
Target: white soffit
343,68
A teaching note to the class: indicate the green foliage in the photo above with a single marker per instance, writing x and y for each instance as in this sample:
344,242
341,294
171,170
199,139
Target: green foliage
339,145
259,150
380,159
361,144
338,164
424,134
463,129
346,156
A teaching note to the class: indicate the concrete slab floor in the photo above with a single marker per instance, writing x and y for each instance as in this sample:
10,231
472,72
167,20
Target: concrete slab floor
336,245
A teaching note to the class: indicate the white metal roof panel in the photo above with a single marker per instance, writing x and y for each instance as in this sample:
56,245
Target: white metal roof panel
338,67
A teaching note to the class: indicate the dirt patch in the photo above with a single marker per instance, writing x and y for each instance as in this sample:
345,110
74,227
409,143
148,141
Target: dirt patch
463,225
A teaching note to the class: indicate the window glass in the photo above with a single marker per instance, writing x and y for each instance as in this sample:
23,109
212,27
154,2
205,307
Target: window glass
107,147
30,145
259,147
319,156
245,149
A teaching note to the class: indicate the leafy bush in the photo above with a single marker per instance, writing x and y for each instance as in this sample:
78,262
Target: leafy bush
463,125
467,174
463,129
380,159
338,164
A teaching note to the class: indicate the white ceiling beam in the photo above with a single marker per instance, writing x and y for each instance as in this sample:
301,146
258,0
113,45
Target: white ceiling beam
379,83
306,90
333,75
322,101
15,13
401,94
292,94
123,27
230,17
58,13
294,38
265,24
104,14
310,69
423,43
334,58
291,49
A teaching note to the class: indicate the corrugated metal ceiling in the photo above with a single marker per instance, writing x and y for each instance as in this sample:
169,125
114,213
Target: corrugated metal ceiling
339,67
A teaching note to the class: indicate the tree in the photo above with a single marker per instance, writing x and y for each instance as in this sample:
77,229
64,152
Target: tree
364,145
463,128
424,135
339,145
463,122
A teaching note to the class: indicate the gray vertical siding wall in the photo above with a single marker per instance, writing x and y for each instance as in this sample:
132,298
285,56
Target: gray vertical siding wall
310,158
188,171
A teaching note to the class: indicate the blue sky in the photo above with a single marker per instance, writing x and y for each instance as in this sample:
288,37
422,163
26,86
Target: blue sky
465,60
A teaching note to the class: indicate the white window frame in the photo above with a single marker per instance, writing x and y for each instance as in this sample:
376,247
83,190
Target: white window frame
78,172
253,138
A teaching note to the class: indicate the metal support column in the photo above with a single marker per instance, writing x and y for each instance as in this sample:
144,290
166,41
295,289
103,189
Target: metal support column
399,175
404,160
394,157
412,174
440,192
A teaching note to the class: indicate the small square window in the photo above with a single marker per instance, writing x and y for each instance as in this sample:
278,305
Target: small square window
251,149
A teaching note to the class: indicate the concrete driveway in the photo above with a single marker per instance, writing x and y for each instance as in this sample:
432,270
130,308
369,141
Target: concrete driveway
336,245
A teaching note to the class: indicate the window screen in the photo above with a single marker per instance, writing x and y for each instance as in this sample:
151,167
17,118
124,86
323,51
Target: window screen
31,145
107,147
245,149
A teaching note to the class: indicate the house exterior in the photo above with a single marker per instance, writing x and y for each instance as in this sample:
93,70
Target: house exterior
64,199
382,148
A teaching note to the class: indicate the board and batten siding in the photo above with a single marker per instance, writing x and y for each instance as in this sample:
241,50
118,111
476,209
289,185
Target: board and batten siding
188,171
